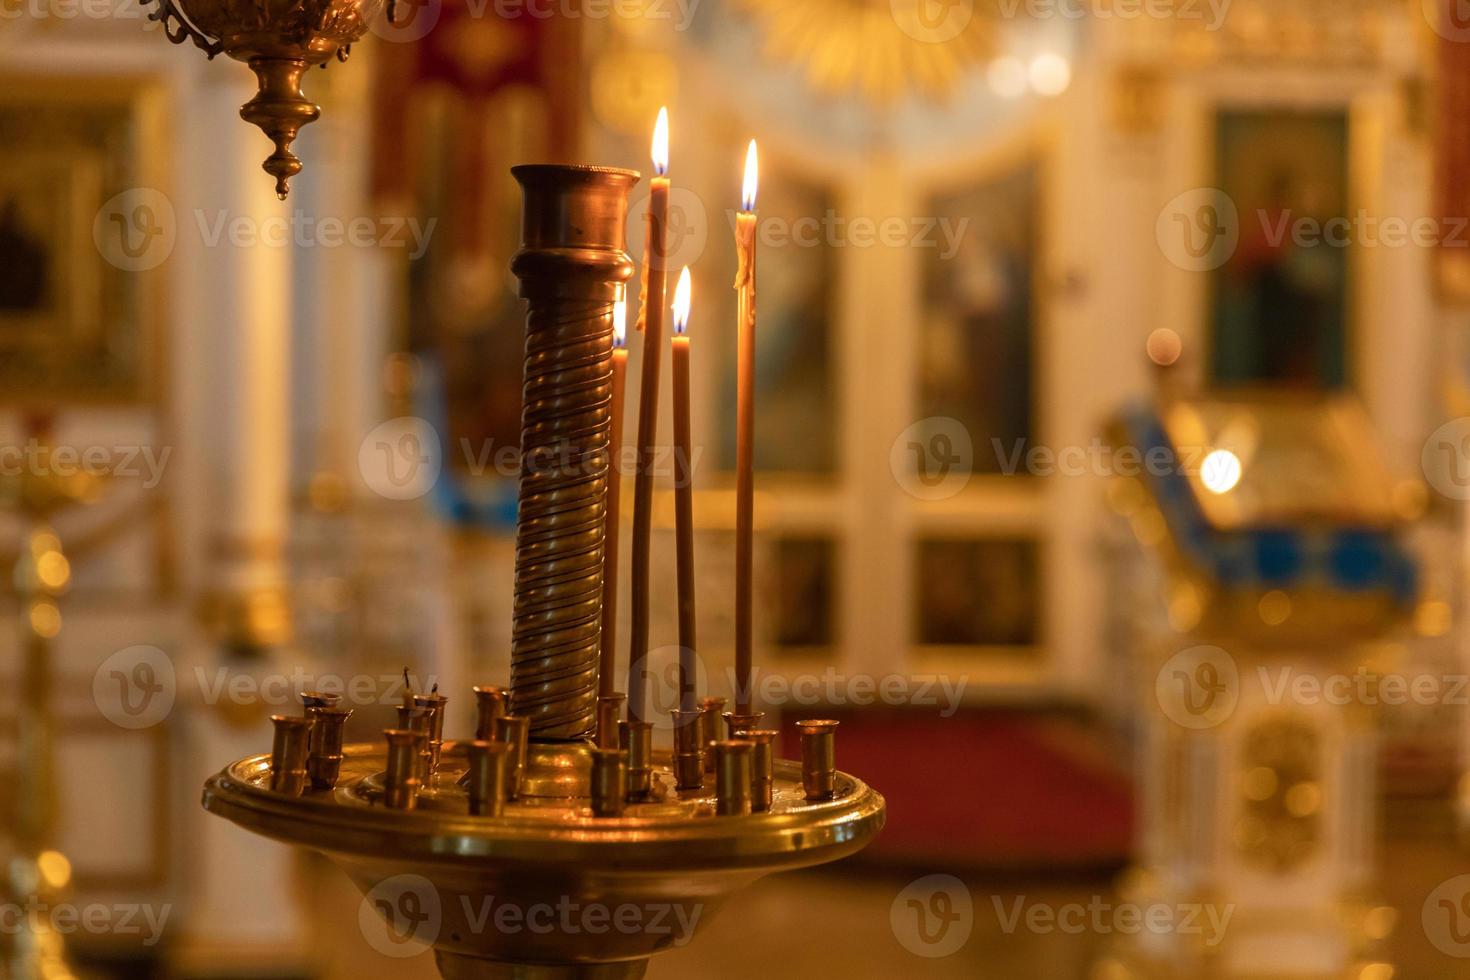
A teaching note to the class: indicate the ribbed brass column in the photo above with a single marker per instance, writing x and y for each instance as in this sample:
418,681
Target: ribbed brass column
572,266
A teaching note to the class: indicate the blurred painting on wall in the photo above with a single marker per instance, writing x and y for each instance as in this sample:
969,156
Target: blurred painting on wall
804,595
979,313
77,298
979,592
1279,303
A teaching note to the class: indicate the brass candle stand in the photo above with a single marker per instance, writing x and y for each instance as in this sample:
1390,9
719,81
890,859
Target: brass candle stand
555,821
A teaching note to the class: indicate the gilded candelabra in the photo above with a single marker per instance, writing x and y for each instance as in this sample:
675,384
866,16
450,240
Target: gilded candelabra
533,812
279,40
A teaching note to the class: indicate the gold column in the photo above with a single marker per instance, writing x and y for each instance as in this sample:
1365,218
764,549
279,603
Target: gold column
572,266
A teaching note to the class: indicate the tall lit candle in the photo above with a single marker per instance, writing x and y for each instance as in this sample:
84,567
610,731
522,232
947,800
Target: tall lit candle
745,431
607,661
683,491
651,319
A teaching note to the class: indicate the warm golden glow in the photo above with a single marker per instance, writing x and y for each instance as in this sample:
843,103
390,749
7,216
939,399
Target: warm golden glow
1164,346
1433,617
884,51
620,324
1220,471
1303,799
1274,607
661,142
681,303
1050,74
53,570
45,619
752,179
54,868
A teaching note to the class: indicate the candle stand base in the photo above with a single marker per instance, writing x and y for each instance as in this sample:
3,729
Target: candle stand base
546,890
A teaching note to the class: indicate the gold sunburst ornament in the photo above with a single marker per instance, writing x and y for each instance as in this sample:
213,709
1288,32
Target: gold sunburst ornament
880,49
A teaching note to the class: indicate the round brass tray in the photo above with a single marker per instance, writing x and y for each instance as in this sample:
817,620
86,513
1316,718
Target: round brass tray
548,848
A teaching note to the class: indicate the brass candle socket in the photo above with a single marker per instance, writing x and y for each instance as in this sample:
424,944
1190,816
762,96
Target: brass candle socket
491,702
412,718
609,782
436,705
324,760
318,699
762,765
609,715
735,722
689,751
289,753
515,732
732,778
401,782
709,727
572,267
818,758
279,41
487,778
637,738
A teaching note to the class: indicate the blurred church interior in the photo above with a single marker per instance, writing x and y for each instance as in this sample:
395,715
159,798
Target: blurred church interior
1112,421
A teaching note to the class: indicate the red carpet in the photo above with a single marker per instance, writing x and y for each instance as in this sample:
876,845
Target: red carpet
988,788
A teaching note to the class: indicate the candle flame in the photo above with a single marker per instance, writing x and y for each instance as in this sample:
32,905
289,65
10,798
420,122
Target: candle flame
681,303
620,324
752,177
661,142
